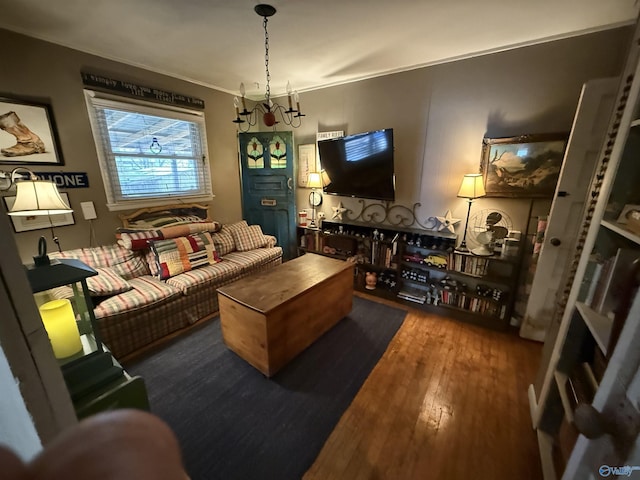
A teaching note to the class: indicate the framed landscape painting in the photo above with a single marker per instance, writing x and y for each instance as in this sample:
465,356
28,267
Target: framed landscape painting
27,133
526,166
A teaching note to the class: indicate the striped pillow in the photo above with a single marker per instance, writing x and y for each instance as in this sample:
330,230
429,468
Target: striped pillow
106,283
178,255
249,238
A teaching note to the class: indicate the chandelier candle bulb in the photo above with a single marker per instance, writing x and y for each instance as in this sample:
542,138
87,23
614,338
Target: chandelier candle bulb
235,104
289,96
242,93
60,323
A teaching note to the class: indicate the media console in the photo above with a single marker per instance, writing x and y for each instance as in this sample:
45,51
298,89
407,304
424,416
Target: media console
421,268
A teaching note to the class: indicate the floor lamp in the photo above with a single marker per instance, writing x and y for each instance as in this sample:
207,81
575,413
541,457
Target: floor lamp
472,187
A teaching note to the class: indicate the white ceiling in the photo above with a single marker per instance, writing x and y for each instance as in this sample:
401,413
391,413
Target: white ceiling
220,43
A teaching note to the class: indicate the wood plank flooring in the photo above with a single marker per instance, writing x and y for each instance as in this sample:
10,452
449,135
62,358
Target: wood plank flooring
448,400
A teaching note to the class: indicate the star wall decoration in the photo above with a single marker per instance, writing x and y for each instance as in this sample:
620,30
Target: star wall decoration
447,222
338,211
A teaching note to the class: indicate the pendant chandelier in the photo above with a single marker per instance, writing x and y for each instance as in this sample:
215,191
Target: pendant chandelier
248,118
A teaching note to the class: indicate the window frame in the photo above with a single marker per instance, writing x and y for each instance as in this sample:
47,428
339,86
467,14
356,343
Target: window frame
95,99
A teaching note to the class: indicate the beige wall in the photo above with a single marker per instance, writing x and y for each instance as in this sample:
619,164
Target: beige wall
45,72
439,115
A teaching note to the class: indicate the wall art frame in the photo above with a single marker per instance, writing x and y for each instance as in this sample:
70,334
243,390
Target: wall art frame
526,166
39,222
28,133
307,163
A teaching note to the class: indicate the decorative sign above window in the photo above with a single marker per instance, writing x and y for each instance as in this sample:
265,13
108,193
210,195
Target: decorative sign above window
140,91
66,179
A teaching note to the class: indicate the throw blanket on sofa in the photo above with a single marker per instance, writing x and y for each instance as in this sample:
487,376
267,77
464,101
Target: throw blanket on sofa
138,239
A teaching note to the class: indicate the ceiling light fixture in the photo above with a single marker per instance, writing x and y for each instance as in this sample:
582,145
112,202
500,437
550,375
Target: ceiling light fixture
291,116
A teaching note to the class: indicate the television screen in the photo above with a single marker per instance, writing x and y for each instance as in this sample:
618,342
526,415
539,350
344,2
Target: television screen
359,165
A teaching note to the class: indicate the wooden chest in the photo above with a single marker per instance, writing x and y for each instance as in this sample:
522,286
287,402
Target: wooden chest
270,317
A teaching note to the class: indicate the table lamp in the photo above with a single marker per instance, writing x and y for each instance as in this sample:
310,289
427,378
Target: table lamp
315,198
472,187
35,197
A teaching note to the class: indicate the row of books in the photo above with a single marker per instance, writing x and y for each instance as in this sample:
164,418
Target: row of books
473,304
435,296
384,254
468,264
312,241
604,279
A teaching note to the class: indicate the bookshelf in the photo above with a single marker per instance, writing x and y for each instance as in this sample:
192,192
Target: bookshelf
594,356
420,268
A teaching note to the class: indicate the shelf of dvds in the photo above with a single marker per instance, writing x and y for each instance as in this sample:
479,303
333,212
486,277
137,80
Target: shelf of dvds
421,268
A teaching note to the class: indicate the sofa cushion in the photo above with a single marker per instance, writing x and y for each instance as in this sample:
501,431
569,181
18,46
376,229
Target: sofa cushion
106,283
146,291
253,258
215,275
178,255
223,240
249,238
126,263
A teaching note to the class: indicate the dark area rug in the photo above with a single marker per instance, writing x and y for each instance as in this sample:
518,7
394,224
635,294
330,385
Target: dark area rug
234,423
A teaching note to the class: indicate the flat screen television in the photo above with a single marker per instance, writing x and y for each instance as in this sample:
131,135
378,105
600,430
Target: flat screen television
359,165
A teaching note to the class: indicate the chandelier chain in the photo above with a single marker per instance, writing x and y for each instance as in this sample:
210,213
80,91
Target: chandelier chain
266,58
246,119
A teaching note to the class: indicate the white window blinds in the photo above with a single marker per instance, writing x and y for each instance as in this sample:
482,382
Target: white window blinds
148,152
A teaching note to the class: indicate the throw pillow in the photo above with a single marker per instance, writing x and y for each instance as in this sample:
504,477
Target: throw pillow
231,227
249,238
224,242
107,283
178,255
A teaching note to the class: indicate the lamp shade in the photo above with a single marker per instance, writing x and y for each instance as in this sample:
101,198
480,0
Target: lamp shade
60,323
315,180
472,186
38,197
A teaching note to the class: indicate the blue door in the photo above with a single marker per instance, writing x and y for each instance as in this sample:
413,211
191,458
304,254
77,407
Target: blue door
268,195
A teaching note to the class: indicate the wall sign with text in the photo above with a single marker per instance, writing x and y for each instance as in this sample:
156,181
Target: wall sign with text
66,179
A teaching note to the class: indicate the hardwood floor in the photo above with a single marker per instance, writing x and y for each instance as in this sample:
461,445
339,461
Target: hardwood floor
448,400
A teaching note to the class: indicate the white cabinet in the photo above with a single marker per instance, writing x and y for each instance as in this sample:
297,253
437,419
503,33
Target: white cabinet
586,412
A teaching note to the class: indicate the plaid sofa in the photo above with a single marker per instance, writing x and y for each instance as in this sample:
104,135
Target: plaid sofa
135,305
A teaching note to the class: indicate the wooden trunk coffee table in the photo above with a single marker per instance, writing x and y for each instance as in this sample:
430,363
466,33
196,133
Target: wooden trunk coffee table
270,317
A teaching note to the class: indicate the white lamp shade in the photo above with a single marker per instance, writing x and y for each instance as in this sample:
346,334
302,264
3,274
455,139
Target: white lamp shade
472,186
60,323
38,197
315,180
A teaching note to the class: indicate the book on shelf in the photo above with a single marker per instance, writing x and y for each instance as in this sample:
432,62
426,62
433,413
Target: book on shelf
590,280
471,265
601,284
618,278
614,274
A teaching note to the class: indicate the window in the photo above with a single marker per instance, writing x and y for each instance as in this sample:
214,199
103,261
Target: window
149,153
